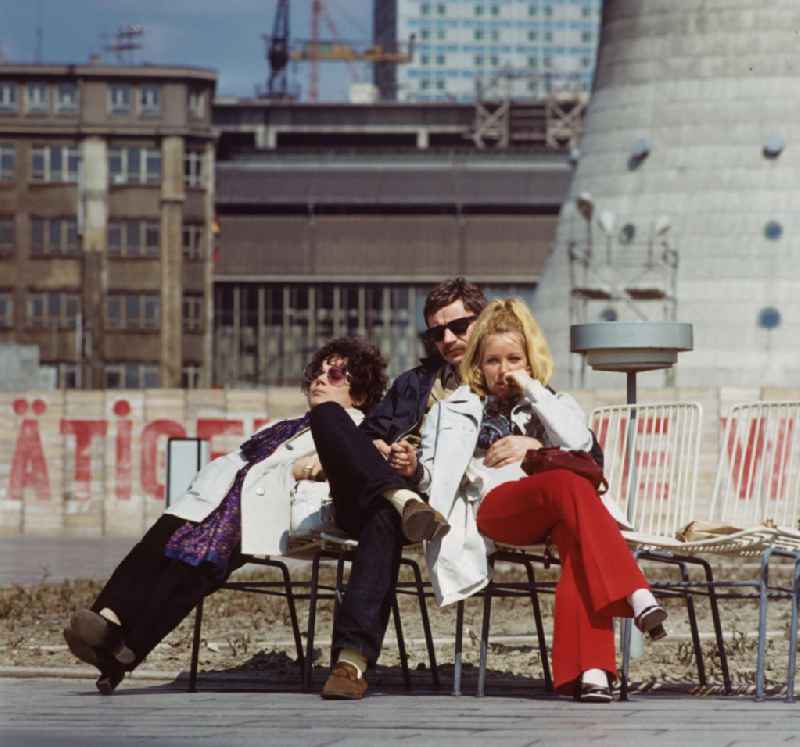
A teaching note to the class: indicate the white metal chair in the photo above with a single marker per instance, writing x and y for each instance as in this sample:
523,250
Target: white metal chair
651,456
756,488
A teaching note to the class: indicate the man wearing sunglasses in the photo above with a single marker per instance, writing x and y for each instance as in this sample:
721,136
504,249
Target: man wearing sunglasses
394,513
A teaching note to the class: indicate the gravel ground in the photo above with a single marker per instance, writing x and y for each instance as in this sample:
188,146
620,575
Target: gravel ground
253,632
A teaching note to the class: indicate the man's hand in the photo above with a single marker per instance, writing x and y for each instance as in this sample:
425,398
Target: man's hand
510,449
308,468
382,447
403,458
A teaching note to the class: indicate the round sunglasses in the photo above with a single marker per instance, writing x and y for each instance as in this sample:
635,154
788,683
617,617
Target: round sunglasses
336,375
458,327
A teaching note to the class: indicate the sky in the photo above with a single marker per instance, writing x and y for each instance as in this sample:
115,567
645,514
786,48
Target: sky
221,34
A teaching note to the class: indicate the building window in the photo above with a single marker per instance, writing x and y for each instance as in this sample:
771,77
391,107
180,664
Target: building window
193,241
66,374
586,62
478,60
533,62
440,84
425,34
132,376
134,238
495,35
120,97
135,311
134,165
67,97
477,34
6,309
190,376
53,309
441,9
55,163
533,10
548,10
9,100
193,168
38,97
440,59
425,8
533,35
495,60
150,100
495,10
586,11
192,312
54,237
586,36
8,162
478,10
8,236
424,84
424,59
197,104
548,36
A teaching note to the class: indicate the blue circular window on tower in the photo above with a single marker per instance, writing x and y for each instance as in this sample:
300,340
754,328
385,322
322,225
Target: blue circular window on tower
769,318
773,230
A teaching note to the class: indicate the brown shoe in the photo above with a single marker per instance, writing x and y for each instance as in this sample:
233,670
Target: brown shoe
344,683
421,522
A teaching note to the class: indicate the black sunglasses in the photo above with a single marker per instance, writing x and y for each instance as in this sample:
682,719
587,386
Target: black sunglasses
458,327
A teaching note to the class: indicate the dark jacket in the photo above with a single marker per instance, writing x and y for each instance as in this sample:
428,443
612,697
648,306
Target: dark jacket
405,404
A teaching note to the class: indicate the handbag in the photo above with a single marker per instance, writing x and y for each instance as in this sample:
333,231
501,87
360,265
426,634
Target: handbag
579,462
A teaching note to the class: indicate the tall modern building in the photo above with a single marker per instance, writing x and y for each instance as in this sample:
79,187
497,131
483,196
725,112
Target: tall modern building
492,48
106,213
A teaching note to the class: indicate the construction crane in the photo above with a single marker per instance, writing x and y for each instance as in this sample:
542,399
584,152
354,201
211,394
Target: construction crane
315,50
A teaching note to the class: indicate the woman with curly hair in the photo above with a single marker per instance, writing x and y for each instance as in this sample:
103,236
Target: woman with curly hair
237,504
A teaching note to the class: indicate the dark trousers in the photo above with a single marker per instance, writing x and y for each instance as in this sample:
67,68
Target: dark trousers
151,593
358,475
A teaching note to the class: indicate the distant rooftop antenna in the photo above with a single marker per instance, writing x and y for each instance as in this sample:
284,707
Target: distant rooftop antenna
127,40
39,32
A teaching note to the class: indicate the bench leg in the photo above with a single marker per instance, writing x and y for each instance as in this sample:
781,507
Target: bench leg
198,622
458,648
426,623
308,661
401,643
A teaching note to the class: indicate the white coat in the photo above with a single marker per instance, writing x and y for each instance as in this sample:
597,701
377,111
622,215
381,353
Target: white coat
266,492
458,563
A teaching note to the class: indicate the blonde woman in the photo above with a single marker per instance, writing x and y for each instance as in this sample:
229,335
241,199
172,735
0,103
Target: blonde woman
472,446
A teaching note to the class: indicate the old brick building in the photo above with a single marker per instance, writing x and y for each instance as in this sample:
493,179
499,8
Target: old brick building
106,211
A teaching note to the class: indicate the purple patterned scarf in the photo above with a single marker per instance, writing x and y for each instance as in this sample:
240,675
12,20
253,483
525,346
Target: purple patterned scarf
216,539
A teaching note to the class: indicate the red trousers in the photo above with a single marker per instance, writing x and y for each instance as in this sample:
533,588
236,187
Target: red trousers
598,570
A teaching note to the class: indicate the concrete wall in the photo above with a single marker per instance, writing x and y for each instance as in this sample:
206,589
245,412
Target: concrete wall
706,84
93,463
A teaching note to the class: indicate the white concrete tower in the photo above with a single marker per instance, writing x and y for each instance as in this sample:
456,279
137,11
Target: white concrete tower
692,145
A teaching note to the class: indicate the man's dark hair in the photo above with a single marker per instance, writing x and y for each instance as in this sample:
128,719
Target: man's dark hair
452,290
365,365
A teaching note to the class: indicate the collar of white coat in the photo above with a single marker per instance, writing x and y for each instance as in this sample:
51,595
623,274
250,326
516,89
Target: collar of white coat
465,402
356,415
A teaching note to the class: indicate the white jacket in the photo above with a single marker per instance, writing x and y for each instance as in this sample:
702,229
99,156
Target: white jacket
266,502
458,563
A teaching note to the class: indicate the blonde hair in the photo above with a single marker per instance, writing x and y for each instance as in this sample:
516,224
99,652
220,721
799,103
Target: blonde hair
503,317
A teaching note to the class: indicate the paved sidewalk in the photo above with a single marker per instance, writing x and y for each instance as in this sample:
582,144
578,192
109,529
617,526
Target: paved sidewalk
28,560
44,712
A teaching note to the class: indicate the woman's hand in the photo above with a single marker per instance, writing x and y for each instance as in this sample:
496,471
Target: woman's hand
509,450
308,468
382,447
518,379
403,458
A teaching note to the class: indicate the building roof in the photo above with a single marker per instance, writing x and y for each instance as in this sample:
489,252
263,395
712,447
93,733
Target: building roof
475,180
101,70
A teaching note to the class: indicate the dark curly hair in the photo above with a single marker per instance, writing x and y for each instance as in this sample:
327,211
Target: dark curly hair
365,364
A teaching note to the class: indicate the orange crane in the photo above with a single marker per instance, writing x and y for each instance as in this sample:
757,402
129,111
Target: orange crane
315,50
